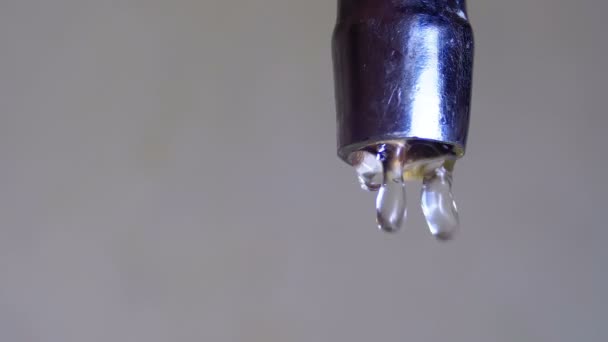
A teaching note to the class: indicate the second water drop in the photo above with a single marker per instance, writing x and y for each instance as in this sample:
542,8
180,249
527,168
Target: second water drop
391,206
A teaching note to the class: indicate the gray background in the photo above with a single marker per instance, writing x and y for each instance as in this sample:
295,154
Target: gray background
168,173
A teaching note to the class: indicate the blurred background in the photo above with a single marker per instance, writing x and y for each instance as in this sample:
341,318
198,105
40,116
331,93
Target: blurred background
168,173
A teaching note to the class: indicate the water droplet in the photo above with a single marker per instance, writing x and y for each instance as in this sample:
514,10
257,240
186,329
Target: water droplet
438,204
369,170
391,207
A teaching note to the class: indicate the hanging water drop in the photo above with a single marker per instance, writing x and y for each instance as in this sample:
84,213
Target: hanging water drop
391,208
438,204
369,170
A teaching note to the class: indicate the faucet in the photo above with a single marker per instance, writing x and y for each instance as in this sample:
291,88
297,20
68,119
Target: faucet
403,72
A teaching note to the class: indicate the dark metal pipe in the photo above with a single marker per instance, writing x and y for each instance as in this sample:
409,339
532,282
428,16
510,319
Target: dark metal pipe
403,71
